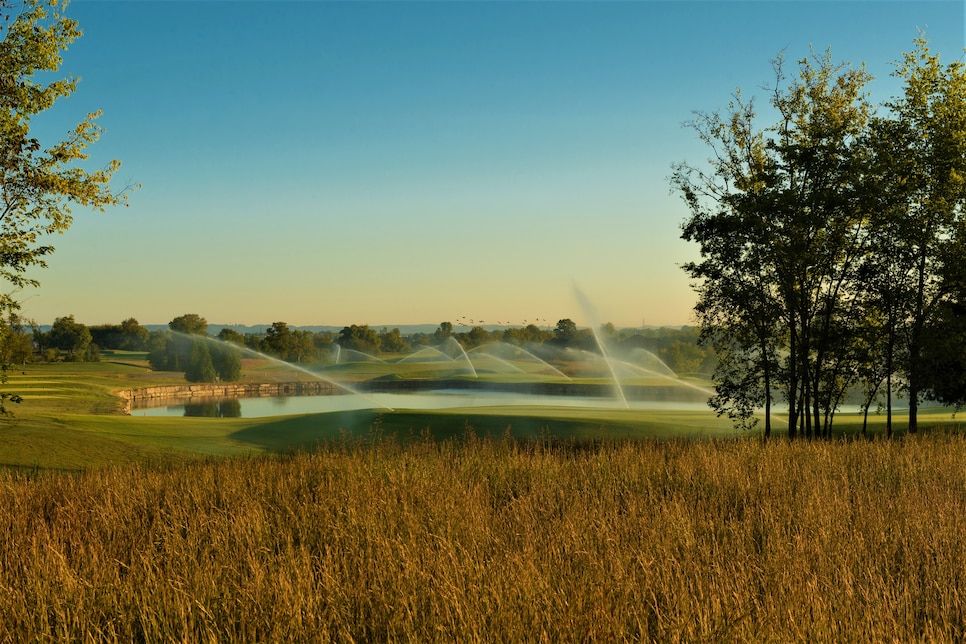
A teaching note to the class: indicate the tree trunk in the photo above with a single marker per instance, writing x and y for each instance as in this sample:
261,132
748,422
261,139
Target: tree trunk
914,346
890,350
913,404
914,382
793,409
889,406
806,406
805,374
767,374
816,404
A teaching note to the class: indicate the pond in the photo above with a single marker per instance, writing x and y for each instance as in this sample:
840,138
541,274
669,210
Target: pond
423,400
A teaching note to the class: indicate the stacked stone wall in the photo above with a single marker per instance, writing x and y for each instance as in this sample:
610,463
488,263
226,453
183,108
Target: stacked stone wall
171,394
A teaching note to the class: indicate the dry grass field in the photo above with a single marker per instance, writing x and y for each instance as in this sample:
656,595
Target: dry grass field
497,540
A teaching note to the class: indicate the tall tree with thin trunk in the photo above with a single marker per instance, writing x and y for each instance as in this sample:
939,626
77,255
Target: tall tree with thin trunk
780,217
925,157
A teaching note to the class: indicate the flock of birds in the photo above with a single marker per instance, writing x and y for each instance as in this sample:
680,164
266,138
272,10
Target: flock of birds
466,321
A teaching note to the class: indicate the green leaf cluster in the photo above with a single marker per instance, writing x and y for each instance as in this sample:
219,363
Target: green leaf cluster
831,239
40,182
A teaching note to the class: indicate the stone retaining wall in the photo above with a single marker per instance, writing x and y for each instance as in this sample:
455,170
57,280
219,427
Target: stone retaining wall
168,394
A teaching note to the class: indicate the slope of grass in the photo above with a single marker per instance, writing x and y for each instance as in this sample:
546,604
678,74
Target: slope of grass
70,419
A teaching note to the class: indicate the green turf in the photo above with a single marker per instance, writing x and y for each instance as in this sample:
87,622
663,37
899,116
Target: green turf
71,419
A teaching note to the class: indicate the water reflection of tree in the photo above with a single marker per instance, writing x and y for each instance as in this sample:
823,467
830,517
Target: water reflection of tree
229,408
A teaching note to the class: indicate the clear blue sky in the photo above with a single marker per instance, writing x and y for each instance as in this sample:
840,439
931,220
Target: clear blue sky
391,163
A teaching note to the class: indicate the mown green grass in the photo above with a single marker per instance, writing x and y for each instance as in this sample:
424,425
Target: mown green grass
70,419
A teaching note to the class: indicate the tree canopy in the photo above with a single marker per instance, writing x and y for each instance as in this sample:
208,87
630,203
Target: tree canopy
830,239
40,182
189,324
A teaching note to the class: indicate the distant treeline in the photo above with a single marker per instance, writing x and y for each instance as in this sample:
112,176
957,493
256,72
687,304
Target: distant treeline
173,349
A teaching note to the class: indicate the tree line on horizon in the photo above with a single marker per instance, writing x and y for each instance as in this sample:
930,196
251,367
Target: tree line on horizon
833,243
180,347
678,347
832,240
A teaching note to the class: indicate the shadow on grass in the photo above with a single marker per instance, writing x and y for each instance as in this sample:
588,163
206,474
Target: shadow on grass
305,432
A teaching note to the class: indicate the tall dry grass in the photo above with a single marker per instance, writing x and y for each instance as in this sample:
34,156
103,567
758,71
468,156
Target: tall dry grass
482,540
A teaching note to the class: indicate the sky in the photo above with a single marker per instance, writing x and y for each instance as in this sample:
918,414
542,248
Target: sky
392,163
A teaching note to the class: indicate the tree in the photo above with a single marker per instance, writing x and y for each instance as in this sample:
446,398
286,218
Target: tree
781,220
200,367
279,341
134,337
231,335
530,334
15,343
322,343
886,271
106,336
303,346
475,337
921,155
158,349
683,357
128,335
444,331
40,183
392,341
360,338
226,361
68,335
201,359
178,350
15,348
189,324
565,332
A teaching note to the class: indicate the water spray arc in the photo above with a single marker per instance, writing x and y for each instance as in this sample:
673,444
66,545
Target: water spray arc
457,348
422,353
490,356
589,313
492,349
618,371
351,355
288,365
610,367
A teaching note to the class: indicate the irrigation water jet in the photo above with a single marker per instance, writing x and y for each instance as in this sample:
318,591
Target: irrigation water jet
351,355
589,312
491,348
450,343
484,354
289,365
636,355
426,350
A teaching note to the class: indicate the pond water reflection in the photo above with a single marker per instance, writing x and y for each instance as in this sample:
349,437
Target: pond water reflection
425,400
226,408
